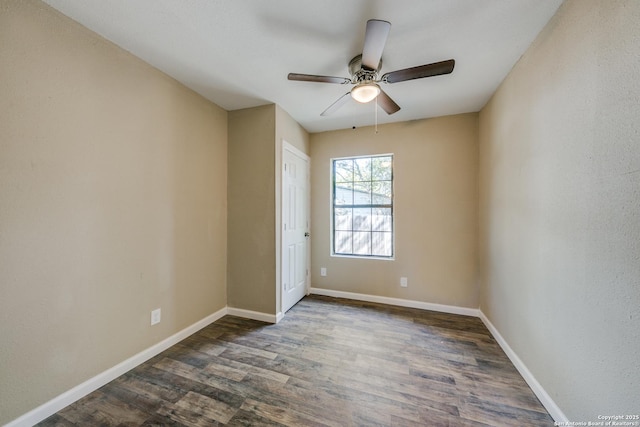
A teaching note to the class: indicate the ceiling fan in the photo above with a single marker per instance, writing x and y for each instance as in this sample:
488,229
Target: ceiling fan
364,72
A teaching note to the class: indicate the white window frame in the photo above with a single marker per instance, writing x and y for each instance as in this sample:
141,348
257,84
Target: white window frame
332,207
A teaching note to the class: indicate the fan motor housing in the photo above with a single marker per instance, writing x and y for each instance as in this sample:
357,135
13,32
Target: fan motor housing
361,74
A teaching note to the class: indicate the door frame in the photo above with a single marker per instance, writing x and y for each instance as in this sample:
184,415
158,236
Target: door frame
286,146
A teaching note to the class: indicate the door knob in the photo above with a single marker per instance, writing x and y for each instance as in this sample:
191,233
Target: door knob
306,234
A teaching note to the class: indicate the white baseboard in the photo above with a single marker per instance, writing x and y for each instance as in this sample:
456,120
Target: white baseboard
255,315
544,398
68,397
465,311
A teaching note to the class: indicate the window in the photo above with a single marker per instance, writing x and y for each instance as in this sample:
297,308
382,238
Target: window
362,206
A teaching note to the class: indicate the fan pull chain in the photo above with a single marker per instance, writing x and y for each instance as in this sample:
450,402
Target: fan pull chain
376,115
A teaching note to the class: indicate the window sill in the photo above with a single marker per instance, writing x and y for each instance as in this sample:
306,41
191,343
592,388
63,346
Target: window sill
378,258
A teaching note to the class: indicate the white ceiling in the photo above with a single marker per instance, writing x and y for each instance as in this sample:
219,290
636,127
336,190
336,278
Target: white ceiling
237,53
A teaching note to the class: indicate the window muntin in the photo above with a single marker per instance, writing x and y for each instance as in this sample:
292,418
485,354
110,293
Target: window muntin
362,206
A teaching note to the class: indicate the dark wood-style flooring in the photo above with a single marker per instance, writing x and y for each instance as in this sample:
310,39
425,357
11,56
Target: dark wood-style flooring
329,362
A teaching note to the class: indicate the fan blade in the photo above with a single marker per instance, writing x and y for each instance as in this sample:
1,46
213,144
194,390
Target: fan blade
386,103
419,72
339,103
318,79
375,37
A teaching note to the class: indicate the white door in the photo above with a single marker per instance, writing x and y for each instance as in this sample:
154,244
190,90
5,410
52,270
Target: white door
295,225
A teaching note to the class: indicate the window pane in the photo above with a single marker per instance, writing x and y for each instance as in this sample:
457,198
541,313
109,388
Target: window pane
342,242
343,170
362,219
361,243
381,168
381,219
362,169
381,192
362,193
381,244
342,219
343,194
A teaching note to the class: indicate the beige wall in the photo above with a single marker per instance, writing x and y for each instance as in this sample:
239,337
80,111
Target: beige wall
251,224
435,196
112,203
255,145
560,208
289,130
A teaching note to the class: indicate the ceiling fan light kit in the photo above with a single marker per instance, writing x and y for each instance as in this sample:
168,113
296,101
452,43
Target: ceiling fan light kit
364,72
365,92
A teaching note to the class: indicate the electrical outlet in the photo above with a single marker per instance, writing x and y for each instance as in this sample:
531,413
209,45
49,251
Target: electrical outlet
155,316
323,271
404,282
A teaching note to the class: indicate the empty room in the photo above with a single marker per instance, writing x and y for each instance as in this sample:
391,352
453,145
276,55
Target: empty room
329,213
